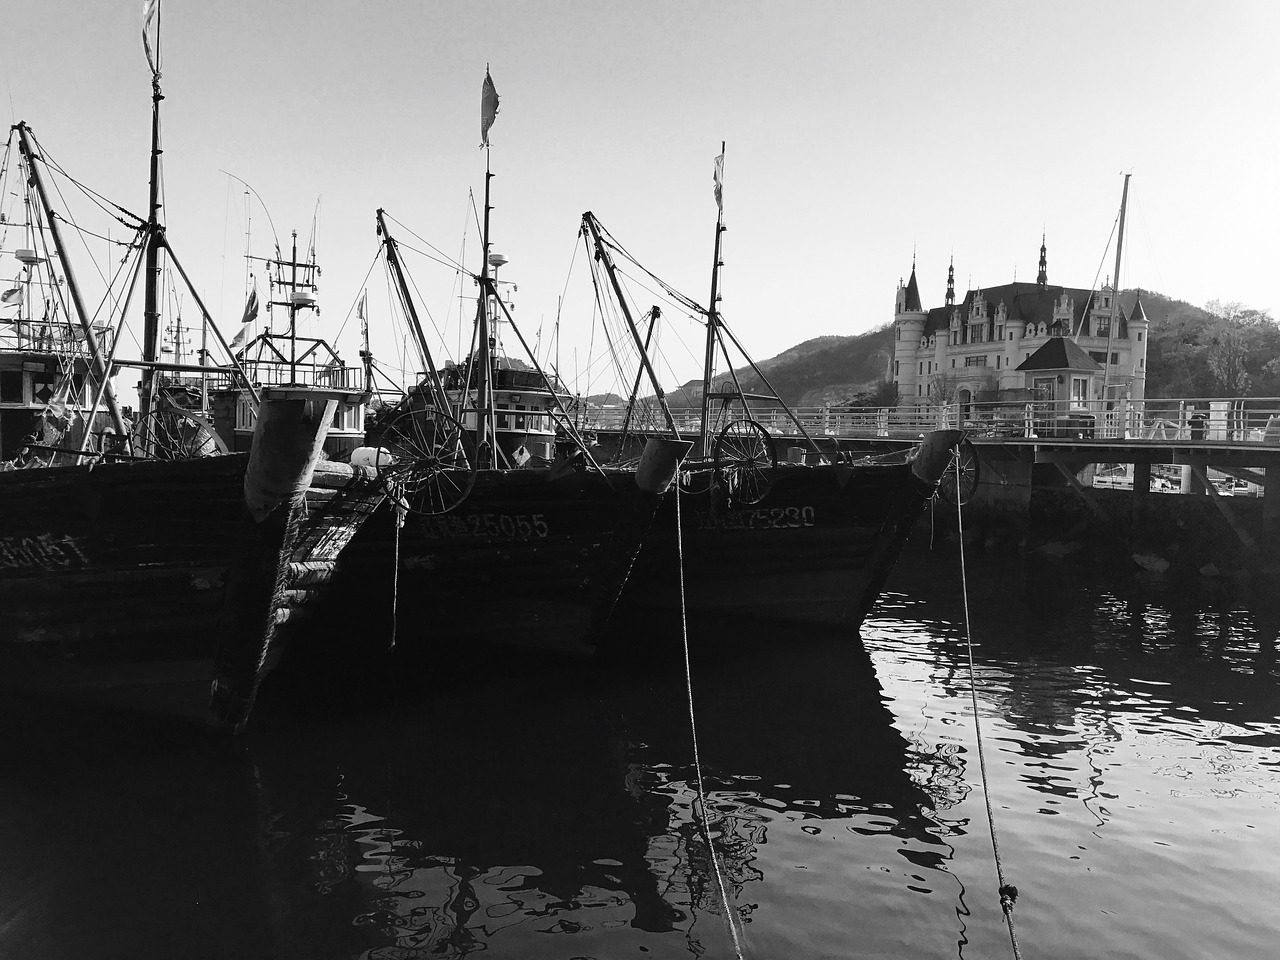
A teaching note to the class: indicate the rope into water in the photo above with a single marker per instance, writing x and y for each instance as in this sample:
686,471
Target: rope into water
1008,892
398,521
693,732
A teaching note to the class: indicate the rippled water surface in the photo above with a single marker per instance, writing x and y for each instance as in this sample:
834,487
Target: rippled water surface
531,807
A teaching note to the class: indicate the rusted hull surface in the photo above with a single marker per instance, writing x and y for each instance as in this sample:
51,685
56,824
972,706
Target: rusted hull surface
120,575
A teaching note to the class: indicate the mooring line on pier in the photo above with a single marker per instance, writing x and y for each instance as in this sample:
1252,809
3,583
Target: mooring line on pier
693,733
1008,892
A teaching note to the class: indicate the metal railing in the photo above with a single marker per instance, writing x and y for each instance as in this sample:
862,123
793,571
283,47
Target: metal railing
1196,418
66,339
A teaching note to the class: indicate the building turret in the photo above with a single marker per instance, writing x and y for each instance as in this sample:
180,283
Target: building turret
951,283
908,329
1139,328
1042,278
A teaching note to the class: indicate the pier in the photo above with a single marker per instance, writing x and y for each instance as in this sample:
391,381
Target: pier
1205,468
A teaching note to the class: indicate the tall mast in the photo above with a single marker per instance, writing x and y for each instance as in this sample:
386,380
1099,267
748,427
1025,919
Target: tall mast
1115,289
485,427
713,313
100,370
155,240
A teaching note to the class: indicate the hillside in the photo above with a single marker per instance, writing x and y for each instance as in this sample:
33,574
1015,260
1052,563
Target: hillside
822,371
1221,349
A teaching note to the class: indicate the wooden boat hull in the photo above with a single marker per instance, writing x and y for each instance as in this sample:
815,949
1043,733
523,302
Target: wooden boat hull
115,580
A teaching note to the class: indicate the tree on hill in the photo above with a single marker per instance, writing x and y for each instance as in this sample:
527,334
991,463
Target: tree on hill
1222,350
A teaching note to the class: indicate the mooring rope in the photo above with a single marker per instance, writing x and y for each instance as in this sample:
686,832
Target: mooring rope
400,513
693,732
1008,892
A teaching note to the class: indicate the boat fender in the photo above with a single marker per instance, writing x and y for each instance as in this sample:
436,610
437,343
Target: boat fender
370,457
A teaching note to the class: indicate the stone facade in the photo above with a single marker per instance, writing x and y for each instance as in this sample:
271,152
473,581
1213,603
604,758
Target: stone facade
970,350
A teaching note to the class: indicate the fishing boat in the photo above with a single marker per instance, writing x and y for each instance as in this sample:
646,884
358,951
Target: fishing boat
807,536
491,540
142,564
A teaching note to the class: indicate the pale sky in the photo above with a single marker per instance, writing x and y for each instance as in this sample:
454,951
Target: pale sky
856,134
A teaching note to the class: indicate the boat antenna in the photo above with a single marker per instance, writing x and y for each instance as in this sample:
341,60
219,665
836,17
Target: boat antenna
713,314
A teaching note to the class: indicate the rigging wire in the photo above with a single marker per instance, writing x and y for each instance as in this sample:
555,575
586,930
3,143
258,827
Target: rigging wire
354,303
1008,892
445,259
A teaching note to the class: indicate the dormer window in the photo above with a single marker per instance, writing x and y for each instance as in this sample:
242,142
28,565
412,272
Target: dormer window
1031,330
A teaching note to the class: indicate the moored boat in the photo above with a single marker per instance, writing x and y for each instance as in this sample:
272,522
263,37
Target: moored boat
141,565
488,543
808,539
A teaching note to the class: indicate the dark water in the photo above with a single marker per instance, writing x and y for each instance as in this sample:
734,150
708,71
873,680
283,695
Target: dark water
536,808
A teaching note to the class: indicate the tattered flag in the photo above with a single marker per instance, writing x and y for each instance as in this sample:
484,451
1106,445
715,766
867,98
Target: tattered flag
488,107
149,10
251,307
719,180
12,295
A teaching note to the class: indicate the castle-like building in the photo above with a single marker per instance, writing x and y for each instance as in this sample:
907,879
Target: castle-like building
974,350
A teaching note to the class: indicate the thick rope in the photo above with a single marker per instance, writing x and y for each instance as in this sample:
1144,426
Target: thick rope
693,733
1008,892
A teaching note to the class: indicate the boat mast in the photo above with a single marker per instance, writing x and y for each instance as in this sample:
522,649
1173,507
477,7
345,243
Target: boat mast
1115,289
100,370
486,428
712,313
438,395
155,240
602,252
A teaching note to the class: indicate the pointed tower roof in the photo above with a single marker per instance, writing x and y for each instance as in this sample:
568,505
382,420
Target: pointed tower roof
951,282
1043,277
1137,313
913,292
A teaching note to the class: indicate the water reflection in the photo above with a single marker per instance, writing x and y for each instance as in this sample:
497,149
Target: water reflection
528,807
562,800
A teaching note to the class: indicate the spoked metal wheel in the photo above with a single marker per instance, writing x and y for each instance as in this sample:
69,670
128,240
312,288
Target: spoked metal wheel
960,480
426,461
745,461
172,435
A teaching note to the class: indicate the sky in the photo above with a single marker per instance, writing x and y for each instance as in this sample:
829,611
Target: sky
860,137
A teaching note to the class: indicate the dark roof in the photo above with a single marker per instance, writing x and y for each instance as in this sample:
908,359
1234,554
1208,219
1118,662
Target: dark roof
1059,353
1138,313
1026,303
913,292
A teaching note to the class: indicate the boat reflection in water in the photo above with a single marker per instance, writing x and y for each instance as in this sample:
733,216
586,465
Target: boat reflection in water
534,807
562,800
